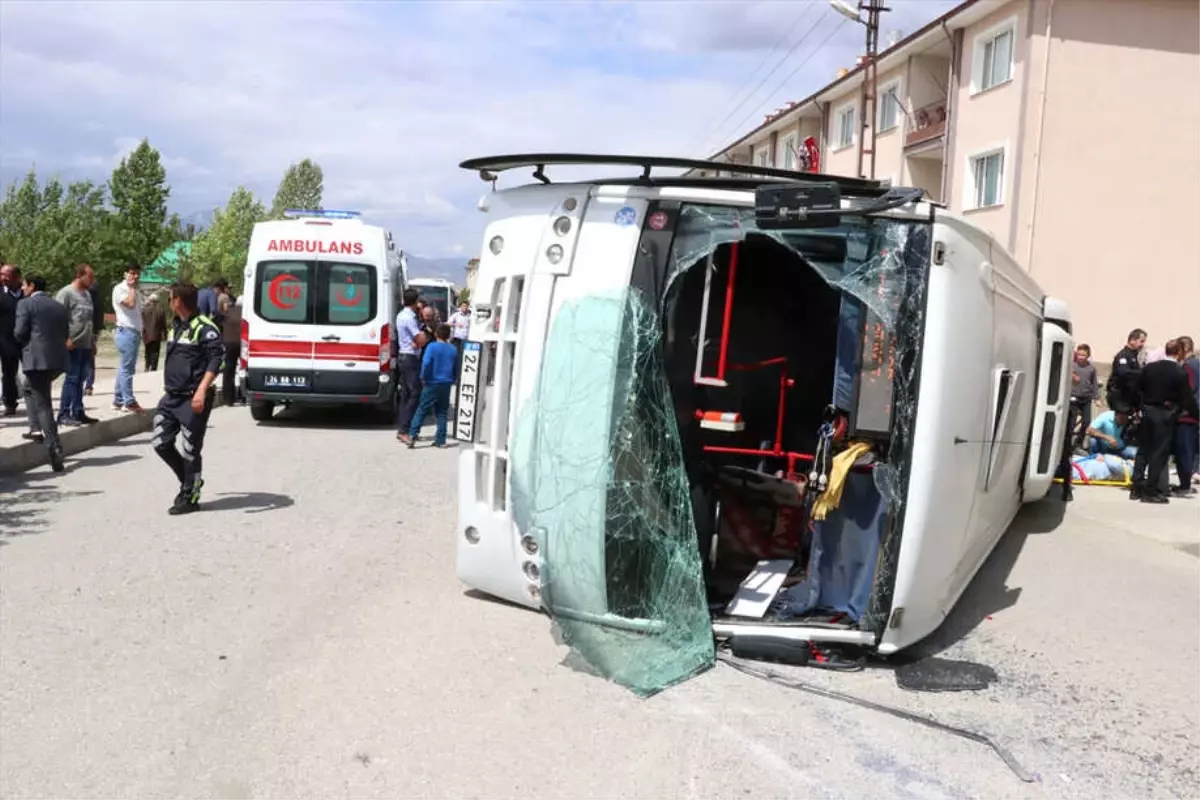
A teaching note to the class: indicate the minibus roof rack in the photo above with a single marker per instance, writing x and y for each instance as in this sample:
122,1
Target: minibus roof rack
488,166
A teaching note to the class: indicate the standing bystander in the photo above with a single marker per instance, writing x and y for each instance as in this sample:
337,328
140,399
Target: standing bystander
81,340
437,377
10,351
409,341
1165,395
1187,430
1085,388
127,307
154,330
43,330
231,337
89,377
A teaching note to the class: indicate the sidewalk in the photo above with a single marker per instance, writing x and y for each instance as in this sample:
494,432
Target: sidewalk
18,455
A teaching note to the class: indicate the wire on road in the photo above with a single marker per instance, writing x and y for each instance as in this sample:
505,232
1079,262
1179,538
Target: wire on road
929,722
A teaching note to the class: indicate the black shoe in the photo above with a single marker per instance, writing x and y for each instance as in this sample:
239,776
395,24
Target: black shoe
1135,493
183,505
86,420
56,461
1155,499
32,436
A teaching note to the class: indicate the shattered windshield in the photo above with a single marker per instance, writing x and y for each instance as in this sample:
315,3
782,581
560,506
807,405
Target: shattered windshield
606,483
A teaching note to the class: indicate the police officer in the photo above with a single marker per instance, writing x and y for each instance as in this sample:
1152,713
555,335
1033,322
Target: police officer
194,354
1122,385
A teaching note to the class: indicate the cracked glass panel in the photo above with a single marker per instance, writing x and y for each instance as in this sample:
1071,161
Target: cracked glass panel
598,472
598,478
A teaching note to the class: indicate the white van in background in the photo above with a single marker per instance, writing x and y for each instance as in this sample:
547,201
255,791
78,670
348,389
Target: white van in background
321,291
436,292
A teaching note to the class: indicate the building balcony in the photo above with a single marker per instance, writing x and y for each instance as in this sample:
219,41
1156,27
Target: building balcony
926,124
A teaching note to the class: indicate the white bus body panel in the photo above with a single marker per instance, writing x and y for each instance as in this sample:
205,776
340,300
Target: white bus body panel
978,389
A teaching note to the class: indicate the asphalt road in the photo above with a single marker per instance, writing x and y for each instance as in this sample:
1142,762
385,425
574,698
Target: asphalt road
306,636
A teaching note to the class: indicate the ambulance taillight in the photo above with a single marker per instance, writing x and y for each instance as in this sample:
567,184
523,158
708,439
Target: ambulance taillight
385,349
245,356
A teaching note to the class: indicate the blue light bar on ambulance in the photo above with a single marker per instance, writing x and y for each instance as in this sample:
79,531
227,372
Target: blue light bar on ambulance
329,213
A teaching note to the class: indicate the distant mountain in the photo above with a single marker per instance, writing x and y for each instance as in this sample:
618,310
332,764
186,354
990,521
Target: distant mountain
452,269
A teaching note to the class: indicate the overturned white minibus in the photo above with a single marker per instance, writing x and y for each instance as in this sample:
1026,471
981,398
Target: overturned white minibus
777,404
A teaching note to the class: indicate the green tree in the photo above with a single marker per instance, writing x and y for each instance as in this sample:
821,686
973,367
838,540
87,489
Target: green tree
301,187
139,193
19,214
220,250
49,229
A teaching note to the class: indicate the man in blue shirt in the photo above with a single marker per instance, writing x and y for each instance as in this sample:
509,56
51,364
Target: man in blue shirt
1108,435
409,341
437,375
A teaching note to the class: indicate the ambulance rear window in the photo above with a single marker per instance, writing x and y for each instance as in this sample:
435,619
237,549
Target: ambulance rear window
315,293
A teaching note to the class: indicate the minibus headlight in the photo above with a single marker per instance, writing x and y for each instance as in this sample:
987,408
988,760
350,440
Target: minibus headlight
472,535
496,245
570,203
554,253
562,226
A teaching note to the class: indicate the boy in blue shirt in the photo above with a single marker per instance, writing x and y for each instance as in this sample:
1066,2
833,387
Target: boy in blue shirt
437,376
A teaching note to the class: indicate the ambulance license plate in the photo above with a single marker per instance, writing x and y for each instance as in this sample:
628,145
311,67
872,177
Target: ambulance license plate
285,381
468,391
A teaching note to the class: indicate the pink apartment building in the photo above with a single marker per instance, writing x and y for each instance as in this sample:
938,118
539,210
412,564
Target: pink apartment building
1070,129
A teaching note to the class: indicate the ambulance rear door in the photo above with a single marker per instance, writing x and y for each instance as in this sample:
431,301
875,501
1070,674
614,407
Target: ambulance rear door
319,331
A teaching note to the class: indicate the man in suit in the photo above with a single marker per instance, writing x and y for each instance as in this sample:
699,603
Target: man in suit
10,352
42,329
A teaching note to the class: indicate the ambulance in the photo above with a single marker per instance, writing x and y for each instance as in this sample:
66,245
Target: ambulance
321,291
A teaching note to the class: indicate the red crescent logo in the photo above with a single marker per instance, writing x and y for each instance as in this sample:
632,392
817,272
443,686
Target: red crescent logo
284,288
343,300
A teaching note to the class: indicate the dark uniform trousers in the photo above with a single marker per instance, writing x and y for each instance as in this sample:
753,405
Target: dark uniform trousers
193,350
1155,435
174,418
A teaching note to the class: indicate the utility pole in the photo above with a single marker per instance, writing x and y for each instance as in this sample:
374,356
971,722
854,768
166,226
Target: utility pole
870,91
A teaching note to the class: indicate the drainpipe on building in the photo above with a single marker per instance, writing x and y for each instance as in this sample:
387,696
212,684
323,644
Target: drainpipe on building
1037,147
951,95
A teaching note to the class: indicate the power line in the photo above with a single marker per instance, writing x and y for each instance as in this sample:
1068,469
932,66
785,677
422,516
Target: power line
792,74
766,78
734,94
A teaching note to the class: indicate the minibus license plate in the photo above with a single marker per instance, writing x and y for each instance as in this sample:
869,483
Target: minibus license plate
468,391
286,381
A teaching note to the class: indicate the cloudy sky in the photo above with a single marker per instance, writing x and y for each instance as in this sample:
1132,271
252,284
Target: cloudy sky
390,97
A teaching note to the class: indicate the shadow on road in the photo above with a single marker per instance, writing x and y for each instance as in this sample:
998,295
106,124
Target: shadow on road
24,502
989,592
248,502
75,462
353,418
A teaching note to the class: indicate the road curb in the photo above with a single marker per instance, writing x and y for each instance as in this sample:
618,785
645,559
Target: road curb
24,457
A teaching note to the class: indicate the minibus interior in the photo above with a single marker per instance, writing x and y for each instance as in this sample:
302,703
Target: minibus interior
698,471
798,337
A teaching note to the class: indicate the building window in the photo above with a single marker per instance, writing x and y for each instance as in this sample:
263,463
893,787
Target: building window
845,127
993,56
789,152
987,179
889,107
763,158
